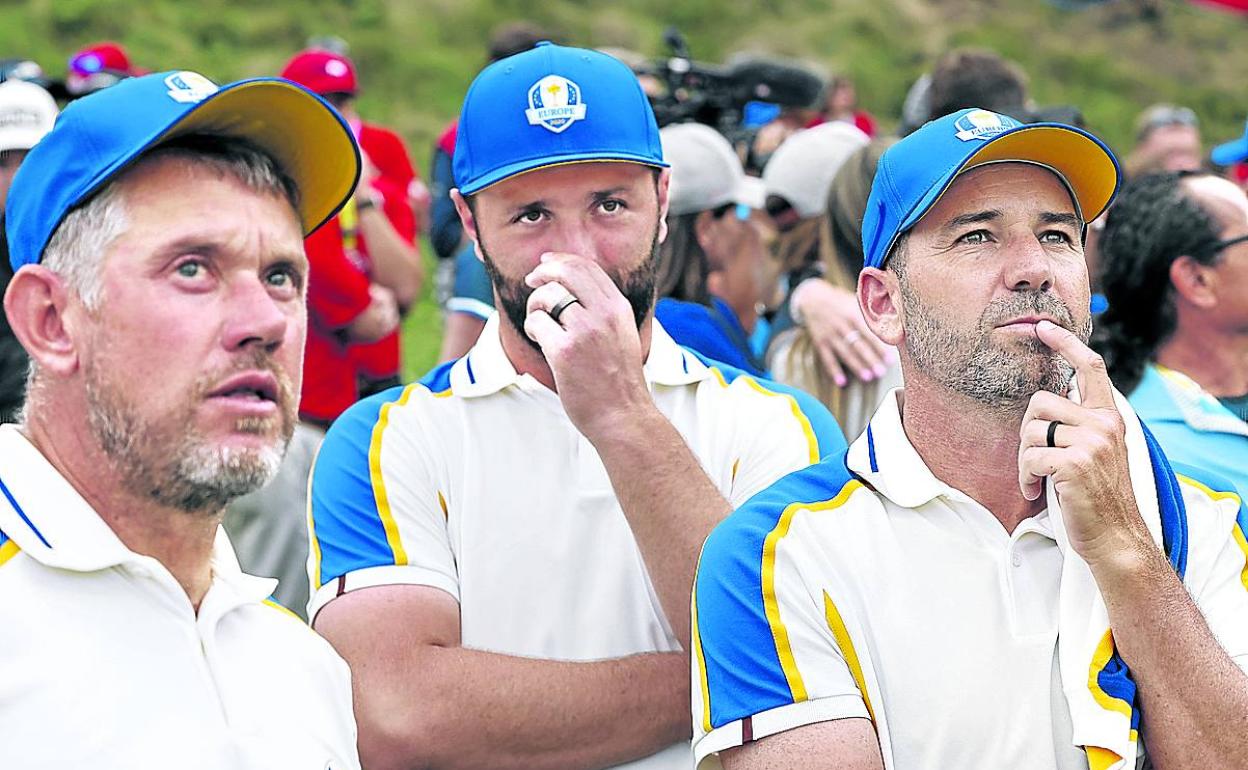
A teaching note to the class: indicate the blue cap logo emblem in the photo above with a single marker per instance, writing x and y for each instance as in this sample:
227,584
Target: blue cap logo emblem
555,103
982,125
189,87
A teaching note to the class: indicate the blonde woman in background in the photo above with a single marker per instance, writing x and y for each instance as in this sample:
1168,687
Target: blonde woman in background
829,353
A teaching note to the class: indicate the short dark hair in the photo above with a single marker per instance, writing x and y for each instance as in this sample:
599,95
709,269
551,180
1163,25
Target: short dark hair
1154,222
516,37
976,77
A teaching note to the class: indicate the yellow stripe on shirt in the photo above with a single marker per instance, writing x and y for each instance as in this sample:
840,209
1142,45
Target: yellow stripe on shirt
1236,532
812,443
378,481
8,551
771,605
699,656
837,626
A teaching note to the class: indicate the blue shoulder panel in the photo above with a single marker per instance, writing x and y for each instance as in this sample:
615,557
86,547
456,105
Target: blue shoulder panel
827,432
346,522
744,674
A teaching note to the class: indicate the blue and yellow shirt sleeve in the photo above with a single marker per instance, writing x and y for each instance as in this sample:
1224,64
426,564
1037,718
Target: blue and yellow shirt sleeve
375,512
766,654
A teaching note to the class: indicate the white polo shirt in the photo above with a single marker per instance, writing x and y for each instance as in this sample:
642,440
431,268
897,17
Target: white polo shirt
474,481
105,664
870,560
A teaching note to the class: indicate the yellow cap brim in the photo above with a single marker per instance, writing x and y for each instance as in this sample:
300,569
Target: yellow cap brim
1087,165
305,135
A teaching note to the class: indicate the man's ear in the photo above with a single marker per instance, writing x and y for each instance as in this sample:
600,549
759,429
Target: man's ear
879,298
468,220
1194,283
664,187
44,319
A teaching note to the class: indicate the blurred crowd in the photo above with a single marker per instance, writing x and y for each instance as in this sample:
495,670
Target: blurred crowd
772,164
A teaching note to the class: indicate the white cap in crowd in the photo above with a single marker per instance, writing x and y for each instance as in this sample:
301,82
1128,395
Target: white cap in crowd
27,112
706,172
802,168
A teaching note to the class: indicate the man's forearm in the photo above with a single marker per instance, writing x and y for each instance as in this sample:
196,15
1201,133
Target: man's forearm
669,502
1193,697
460,708
396,263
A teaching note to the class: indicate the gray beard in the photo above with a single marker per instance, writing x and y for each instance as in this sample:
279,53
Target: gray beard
166,461
972,364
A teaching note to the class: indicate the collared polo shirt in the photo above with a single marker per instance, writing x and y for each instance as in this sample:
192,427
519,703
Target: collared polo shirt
1192,426
474,481
870,560
105,664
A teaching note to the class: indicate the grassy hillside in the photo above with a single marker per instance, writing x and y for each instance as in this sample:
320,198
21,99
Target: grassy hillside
416,57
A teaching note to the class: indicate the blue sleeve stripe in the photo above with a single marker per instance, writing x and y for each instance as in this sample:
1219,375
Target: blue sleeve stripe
822,432
350,519
742,644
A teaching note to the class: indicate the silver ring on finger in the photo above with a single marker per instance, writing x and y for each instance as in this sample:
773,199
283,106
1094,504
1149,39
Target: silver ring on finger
853,336
562,305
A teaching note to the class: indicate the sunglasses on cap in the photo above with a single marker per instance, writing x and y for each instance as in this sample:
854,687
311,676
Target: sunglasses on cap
1168,116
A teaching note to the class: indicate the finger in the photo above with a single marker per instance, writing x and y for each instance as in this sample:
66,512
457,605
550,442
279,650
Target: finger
583,277
831,363
1035,464
543,330
1050,406
1036,433
875,352
853,355
1095,389
546,296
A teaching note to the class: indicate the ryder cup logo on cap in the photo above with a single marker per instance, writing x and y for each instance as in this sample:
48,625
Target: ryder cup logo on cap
531,110
915,172
982,124
189,87
555,102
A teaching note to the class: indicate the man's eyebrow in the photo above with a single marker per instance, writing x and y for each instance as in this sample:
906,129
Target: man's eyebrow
1061,218
602,195
972,218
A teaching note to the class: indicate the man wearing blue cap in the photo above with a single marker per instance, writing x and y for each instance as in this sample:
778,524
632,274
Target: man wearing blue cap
1004,570
504,551
156,235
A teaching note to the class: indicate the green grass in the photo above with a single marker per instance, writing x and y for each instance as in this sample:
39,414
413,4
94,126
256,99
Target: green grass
417,57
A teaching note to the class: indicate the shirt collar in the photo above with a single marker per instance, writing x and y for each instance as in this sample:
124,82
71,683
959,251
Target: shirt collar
52,523
884,457
1167,394
486,369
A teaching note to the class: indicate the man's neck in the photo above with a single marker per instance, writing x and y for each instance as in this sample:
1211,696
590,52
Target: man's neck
1216,361
527,359
969,447
181,541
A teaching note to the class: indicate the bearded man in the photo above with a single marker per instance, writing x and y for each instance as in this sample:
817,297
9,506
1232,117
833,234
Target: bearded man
157,238
1004,570
504,550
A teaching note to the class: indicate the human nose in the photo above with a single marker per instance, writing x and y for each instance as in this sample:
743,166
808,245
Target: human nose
573,237
254,316
1028,267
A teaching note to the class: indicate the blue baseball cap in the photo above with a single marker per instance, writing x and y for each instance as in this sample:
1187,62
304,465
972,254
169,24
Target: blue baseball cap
97,137
916,171
548,106
1235,151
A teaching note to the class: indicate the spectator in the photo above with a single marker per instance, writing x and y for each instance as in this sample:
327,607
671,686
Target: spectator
468,297
798,180
1175,271
365,268
166,349
842,105
976,77
26,114
713,263
1167,138
98,66
505,549
796,358
988,541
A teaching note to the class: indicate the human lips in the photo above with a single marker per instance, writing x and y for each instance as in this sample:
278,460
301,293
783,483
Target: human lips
1028,323
252,391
